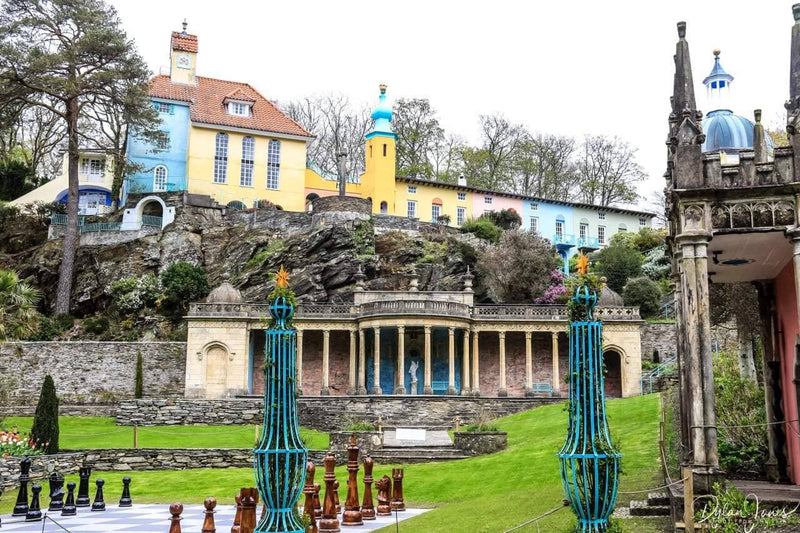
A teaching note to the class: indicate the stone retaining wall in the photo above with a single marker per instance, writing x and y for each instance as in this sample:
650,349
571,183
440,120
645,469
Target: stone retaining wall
661,337
29,409
89,372
328,413
474,443
367,441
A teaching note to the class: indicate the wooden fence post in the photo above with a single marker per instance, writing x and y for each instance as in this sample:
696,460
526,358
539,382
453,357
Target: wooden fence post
136,436
688,500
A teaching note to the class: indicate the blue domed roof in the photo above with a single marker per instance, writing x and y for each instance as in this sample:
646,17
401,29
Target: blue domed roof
727,132
382,117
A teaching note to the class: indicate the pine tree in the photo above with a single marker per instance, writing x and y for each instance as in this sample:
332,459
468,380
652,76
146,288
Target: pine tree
45,421
139,385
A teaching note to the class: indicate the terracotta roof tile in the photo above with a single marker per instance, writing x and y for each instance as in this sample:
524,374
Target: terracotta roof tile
206,104
184,42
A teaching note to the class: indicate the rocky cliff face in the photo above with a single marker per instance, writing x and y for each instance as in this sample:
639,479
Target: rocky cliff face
323,256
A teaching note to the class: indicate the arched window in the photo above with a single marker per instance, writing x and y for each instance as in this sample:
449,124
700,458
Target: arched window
273,164
384,208
248,154
622,228
160,178
221,158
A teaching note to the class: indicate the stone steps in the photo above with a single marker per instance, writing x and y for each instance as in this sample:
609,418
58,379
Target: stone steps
643,508
658,499
418,454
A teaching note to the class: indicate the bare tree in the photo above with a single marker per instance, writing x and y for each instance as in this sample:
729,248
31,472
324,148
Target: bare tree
608,171
445,158
544,166
500,139
36,135
418,135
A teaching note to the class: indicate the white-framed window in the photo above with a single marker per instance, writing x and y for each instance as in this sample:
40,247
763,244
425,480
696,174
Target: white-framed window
436,211
535,224
221,158
160,179
601,234
238,109
534,206
461,215
583,231
487,200
411,209
92,169
601,215
273,164
462,196
163,107
559,227
162,140
248,155
412,189
642,221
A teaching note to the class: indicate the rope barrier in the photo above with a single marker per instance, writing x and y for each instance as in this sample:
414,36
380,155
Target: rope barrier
564,504
653,489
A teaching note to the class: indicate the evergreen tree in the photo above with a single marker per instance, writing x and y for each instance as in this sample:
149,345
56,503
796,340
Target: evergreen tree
45,421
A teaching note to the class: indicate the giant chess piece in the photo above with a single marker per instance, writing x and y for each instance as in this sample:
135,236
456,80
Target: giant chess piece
175,521
125,500
336,497
83,487
367,507
383,486
34,513
237,519
352,507
69,508
56,492
99,503
329,523
21,507
249,499
398,504
208,523
308,490
317,502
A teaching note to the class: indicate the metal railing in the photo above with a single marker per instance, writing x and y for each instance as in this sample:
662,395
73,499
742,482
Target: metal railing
564,239
649,377
589,242
100,226
152,221
58,219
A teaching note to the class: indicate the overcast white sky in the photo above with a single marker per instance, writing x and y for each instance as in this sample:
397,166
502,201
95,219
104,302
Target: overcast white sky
569,67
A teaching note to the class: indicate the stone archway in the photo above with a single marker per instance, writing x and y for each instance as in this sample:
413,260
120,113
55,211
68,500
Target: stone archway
612,362
216,356
155,211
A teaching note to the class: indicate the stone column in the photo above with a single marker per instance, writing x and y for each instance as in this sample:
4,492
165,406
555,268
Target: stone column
400,376
556,377
502,392
465,389
362,363
299,364
352,386
428,386
451,369
528,363
376,388
476,375
326,369
766,307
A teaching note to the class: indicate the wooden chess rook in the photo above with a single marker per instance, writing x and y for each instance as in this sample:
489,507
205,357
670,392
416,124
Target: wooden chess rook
352,507
383,486
249,499
329,523
398,504
367,507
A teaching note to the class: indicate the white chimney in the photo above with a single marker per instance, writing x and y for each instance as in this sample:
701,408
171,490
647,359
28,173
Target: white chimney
462,181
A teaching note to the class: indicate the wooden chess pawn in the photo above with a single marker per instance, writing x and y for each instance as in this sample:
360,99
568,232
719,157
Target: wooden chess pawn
125,500
336,497
329,523
21,507
249,499
352,507
367,507
317,502
69,508
383,486
398,504
175,521
308,490
208,521
34,513
99,503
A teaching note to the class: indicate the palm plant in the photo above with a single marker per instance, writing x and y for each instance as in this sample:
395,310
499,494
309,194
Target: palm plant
18,315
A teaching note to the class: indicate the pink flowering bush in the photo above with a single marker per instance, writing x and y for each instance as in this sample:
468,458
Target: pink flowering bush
556,292
12,444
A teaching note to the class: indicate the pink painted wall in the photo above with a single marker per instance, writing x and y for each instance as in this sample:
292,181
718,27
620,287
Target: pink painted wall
785,301
499,203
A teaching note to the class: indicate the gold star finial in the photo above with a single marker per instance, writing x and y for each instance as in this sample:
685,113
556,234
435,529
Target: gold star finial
583,264
282,278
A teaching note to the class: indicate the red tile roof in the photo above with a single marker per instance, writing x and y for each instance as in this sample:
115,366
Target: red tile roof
184,42
206,104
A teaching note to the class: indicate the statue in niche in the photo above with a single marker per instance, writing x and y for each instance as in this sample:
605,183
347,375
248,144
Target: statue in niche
413,371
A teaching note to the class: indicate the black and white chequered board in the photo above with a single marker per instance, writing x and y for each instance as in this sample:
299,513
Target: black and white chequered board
154,518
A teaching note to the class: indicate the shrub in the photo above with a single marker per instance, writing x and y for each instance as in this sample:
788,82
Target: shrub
19,318
618,264
134,294
96,325
138,389
518,268
183,283
556,292
8,212
504,219
360,426
482,228
12,444
482,428
645,294
443,219
656,265
45,421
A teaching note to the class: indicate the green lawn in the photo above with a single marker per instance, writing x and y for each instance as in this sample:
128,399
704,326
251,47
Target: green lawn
484,494
82,432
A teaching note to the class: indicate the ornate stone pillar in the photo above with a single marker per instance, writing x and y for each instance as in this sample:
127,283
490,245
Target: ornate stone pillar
428,388
451,369
476,374
400,376
556,377
376,388
528,363
465,389
352,386
502,392
299,364
326,368
362,363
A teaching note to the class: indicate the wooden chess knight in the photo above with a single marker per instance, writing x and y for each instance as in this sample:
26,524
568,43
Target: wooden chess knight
383,486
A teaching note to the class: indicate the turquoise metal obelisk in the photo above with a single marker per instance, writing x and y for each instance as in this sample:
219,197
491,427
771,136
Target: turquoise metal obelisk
280,456
589,462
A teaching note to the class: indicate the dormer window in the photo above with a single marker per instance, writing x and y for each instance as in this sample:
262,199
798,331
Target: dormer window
239,109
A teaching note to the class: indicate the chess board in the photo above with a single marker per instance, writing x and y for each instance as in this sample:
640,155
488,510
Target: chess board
154,518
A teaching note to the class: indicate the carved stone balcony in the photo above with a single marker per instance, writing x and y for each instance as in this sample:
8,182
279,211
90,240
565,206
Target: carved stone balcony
415,307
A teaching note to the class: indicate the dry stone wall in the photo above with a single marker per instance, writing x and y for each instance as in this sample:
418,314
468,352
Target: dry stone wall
661,337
